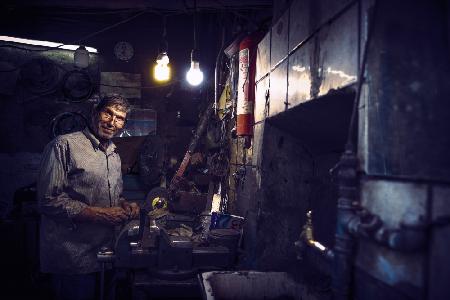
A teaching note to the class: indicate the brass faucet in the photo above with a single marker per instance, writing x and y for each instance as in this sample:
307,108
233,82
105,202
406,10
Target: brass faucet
307,239
308,230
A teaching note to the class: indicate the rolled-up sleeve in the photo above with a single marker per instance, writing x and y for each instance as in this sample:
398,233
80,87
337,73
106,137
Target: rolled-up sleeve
54,201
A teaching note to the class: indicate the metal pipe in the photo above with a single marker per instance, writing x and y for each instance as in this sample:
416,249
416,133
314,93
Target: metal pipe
348,187
217,70
356,222
344,242
409,237
353,221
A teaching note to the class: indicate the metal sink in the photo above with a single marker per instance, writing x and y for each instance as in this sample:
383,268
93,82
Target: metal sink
227,285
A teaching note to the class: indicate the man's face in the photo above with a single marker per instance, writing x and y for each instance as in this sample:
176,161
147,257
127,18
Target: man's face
109,122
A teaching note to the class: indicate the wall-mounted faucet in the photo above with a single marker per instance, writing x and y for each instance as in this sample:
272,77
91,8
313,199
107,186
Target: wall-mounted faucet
307,240
354,222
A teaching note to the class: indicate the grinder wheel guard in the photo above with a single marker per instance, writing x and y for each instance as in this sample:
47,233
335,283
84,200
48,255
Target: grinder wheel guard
156,198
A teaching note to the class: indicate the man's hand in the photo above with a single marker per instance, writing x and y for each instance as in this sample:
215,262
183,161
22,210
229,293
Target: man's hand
104,215
111,215
131,208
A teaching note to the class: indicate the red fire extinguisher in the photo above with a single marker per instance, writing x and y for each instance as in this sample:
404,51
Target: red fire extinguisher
246,85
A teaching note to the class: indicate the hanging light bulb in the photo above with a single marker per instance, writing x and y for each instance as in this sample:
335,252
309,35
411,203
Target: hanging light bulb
194,76
161,71
162,68
81,57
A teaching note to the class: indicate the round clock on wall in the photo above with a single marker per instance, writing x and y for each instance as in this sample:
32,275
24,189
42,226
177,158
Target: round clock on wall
123,51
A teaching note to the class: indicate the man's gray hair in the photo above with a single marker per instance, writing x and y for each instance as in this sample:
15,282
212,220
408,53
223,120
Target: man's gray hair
113,100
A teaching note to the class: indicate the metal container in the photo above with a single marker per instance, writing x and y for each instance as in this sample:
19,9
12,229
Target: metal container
250,285
225,237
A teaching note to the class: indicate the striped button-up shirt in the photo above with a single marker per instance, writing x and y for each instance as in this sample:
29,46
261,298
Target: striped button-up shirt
76,173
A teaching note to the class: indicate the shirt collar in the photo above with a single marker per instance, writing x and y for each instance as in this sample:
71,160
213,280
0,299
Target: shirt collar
96,143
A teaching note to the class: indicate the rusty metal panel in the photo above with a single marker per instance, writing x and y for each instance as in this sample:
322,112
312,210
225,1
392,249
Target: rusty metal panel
337,65
329,8
363,129
404,272
408,108
394,202
299,86
261,103
299,23
278,89
279,44
263,57
258,131
439,272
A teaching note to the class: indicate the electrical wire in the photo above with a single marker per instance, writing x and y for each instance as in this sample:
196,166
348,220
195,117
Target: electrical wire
78,40
157,10
164,26
195,24
237,14
74,42
109,27
71,11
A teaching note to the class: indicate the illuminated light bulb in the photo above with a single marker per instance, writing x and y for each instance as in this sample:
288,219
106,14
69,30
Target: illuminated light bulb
194,76
162,69
81,57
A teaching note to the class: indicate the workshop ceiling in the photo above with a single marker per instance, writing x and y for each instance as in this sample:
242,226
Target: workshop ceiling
68,16
103,23
159,5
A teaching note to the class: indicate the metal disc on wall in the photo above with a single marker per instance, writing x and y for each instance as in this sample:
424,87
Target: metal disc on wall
67,122
77,86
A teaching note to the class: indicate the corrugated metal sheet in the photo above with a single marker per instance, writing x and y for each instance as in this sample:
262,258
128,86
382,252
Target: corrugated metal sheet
394,202
263,57
300,81
279,44
278,89
300,20
338,44
261,105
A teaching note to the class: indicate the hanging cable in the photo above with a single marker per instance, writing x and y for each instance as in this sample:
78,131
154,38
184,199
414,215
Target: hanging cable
110,27
195,24
78,40
164,26
195,75
74,42
161,71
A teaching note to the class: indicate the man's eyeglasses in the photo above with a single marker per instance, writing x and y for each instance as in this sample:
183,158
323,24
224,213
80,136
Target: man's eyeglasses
108,116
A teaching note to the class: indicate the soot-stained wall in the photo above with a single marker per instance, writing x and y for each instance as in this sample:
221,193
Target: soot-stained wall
312,54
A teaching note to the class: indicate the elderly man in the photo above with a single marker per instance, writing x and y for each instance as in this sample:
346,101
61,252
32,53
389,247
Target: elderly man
79,194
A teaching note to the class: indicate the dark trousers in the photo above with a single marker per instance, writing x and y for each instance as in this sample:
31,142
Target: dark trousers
75,287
